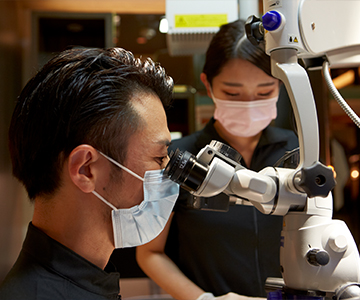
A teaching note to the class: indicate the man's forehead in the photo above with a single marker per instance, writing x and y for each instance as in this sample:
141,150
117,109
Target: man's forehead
144,146
157,141
142,98
153,130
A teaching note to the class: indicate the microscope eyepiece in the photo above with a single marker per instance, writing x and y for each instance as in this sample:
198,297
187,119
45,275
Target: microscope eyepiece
184,169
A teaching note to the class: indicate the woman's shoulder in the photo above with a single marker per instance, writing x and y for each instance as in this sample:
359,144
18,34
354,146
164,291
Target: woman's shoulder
280,134
277,140
193,142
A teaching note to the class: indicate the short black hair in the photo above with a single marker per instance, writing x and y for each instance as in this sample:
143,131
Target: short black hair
81,96
231,42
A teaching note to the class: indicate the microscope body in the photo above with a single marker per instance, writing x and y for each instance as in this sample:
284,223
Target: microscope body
316,253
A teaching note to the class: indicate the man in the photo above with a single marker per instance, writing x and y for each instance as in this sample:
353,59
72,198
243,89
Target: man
87,138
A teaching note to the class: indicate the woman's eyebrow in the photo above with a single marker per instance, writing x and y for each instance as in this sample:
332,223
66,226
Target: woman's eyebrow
266,84
232,84
236,84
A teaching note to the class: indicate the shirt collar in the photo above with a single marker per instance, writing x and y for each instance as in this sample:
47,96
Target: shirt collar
270,135
209,134
68,264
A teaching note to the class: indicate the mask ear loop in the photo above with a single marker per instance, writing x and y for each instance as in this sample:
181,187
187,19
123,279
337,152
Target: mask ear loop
103,200
121,166
212,95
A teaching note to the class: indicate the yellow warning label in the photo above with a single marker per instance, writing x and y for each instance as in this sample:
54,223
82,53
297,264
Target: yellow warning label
293,39
209,20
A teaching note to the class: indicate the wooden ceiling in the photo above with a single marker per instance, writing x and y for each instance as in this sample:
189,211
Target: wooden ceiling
95,6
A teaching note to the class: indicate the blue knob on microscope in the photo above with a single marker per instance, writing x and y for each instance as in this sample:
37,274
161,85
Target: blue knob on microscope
271,20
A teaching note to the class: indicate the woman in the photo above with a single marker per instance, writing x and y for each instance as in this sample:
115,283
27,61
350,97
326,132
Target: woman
203,253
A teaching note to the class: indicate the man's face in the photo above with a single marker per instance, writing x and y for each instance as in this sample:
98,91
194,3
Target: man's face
147,150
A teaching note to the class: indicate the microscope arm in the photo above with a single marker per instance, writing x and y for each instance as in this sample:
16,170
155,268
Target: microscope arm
284,66
311,176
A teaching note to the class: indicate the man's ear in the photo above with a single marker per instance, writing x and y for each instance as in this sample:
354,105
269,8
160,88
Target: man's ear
204,80
81,167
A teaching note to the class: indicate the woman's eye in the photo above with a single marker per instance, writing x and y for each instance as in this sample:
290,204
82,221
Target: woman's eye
231,94
265,94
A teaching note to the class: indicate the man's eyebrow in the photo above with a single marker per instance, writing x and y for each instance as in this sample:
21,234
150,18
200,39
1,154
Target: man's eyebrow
165,142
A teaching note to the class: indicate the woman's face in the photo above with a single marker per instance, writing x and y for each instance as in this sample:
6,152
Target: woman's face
240,80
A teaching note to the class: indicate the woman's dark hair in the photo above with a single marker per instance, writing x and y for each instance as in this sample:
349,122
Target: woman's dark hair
231,42
81,96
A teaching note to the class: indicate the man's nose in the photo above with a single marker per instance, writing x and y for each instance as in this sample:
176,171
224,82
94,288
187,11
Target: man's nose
165,161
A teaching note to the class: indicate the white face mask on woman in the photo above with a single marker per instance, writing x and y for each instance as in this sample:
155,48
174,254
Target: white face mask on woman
245,118
142,223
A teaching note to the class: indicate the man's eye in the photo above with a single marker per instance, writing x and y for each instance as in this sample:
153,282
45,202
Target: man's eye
160,159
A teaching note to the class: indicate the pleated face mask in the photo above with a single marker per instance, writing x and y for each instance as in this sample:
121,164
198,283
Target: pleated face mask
142,223
245,118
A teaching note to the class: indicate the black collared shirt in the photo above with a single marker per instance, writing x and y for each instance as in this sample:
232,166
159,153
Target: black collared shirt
273,143
233,251
46,269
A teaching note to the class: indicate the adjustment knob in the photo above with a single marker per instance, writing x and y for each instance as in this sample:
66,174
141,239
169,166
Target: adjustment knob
338,242
254,30
317,257
317,180
271,20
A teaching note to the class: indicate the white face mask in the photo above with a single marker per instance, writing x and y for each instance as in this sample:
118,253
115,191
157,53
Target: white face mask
142,223
245,118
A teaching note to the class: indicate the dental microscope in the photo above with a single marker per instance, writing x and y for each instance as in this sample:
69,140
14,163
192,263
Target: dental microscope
318,255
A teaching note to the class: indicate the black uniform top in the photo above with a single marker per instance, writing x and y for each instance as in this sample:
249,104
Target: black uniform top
46,269
233,251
